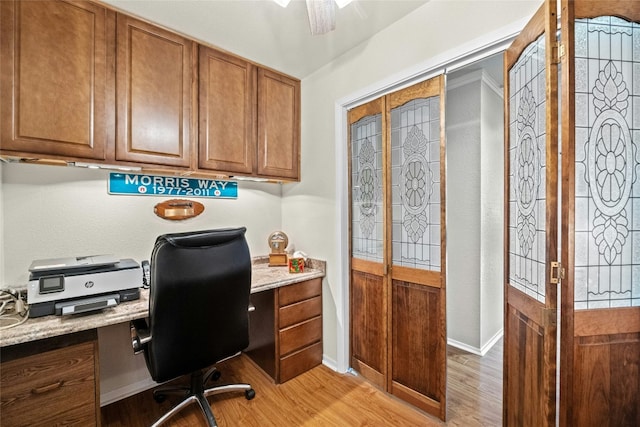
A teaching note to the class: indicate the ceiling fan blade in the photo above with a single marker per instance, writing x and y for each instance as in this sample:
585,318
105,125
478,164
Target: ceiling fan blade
322,16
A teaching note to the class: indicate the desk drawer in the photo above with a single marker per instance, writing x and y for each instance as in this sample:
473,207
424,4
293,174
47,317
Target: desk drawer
300,361
51,387
300,311
300,291
300,335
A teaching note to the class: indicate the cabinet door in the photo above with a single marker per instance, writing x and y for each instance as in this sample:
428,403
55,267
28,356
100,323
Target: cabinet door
154,94
54,77
227,106
56,387
278,126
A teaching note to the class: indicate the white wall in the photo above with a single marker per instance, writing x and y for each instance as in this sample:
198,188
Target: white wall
439,30
464,222
475,224
53,211
492,214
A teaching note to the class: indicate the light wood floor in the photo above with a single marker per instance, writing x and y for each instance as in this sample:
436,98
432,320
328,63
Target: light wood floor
322,397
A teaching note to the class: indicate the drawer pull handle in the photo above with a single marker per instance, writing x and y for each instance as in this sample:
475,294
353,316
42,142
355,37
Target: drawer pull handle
47,388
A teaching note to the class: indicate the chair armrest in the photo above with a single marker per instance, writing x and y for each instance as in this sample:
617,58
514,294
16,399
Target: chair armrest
140,335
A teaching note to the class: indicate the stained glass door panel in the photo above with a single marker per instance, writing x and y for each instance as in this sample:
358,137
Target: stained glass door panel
366,189
607,137
368,293
531,160
600,380
415,184
417,246
527,172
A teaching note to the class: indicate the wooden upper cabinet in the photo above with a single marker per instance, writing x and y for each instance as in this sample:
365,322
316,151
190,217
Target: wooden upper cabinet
154,87
278,126
249,118
53,78
227,106
80,81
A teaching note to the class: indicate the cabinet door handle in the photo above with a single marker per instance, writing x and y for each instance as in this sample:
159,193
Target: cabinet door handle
47,388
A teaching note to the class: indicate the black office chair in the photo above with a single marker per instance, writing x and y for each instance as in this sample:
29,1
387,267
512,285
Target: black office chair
198,312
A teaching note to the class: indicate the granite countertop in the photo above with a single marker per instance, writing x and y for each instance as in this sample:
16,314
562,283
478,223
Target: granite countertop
263,278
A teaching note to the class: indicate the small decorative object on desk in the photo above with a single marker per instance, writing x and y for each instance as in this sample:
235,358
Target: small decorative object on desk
278,242
296,265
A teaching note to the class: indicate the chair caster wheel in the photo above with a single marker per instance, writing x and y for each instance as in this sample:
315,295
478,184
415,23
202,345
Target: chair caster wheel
212,376
159,397
250,394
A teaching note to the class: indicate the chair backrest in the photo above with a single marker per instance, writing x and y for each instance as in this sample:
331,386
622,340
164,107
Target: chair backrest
198,300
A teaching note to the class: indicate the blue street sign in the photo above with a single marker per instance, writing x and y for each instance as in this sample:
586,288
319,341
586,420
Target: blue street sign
153,185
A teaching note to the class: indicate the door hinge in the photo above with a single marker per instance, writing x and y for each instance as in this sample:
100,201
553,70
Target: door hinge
550,317
557,52
557,272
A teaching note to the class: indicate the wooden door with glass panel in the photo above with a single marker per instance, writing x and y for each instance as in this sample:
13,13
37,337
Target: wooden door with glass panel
531,172
397,300
600,322
417,324
368,293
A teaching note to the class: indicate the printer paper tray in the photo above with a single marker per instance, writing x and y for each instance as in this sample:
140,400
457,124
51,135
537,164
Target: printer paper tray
84,305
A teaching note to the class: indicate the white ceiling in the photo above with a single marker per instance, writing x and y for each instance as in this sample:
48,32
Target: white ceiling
266,33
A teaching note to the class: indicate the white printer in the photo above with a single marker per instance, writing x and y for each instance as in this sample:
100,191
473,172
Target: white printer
76,285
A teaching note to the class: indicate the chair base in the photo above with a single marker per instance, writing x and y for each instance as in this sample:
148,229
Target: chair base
197,393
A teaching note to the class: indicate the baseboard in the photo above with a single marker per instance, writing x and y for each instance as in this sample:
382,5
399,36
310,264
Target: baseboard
146,384
462,346
329,363
494,339
475,350
126,391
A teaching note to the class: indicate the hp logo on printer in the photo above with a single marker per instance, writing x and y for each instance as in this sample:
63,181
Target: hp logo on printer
88,284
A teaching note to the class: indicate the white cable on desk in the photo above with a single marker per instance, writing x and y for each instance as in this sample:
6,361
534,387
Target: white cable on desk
12,308
18,318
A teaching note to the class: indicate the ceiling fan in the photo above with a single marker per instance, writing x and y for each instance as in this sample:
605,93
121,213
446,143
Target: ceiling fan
322,14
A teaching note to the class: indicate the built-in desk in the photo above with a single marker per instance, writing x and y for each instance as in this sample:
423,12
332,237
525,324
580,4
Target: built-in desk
263,278
48,362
